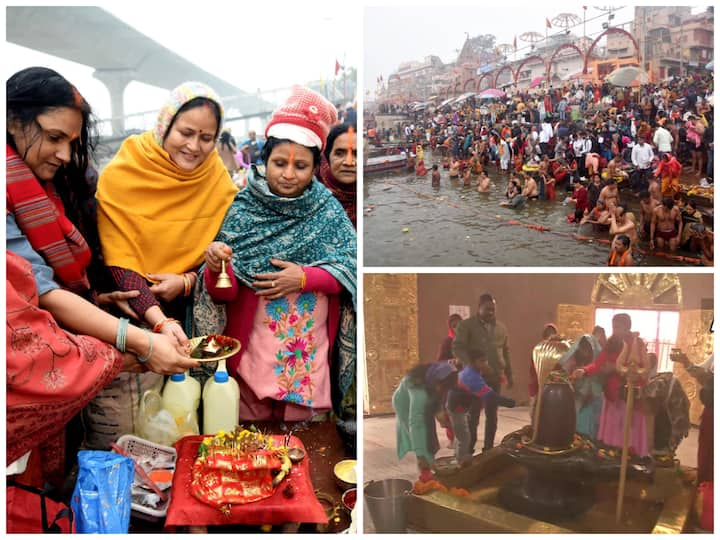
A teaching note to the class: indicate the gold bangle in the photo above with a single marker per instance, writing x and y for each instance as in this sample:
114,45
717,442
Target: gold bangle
188,286
303,281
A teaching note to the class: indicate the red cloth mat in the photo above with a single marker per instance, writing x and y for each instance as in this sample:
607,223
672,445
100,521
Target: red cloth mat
185,510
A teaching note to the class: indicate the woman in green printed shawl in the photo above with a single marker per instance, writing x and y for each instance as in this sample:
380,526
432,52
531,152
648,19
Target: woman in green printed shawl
292,262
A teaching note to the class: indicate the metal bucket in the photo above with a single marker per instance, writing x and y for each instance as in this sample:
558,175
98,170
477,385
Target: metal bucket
387,503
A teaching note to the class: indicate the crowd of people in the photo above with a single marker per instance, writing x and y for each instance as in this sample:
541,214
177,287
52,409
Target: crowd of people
143,241
473,365
584,141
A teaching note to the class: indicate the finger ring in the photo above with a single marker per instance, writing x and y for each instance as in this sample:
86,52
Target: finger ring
272,284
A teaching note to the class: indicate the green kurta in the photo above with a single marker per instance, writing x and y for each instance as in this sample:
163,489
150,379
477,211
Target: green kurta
411,404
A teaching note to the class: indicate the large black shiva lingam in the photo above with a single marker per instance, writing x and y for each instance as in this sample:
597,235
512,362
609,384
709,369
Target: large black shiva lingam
562,466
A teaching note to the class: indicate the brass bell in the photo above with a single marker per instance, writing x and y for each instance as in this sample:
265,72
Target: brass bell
223,280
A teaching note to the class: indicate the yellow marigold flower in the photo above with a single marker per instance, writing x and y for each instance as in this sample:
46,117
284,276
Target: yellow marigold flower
220,433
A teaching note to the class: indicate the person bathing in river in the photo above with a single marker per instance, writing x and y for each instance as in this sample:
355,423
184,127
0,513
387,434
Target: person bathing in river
420,169
647,206
690,215
599,215
435,175
702,241
530,191
580,198
594,190
514,194
544,166
466,177
476,163
620,251
483,183
518,165
454,171
666,225
549,182
622,222
609,194
654,190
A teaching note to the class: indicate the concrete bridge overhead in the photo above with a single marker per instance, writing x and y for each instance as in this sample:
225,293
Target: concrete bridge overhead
119,53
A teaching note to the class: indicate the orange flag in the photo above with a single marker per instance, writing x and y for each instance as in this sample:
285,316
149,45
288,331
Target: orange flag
547,23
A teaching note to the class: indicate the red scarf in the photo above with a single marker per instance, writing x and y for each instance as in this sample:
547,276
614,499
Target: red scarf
51,374
40,214
345,193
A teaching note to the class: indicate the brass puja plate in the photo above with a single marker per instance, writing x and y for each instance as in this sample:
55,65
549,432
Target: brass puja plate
345,473
195,342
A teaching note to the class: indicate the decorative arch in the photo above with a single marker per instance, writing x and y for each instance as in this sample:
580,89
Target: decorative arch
560,48
638,290
522,65
470,82
611,30
500,71
456,89
482,78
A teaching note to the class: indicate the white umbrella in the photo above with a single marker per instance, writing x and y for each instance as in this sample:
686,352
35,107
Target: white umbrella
624,76
464,97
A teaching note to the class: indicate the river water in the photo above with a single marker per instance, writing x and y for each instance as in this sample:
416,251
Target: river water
408,222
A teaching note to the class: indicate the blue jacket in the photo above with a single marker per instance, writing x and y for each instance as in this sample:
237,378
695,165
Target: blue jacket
470,386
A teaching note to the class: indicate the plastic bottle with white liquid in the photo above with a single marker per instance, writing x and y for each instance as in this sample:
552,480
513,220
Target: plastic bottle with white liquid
181,398
221,402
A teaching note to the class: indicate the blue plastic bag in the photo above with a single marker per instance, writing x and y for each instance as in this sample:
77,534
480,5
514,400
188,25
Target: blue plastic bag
101,500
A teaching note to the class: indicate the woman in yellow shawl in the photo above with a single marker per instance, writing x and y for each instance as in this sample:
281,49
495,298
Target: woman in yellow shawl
161,201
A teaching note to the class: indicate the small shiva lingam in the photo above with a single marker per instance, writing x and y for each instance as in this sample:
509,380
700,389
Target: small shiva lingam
562,465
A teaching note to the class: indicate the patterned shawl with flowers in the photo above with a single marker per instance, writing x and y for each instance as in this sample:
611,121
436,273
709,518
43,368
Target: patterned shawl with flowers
309,230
